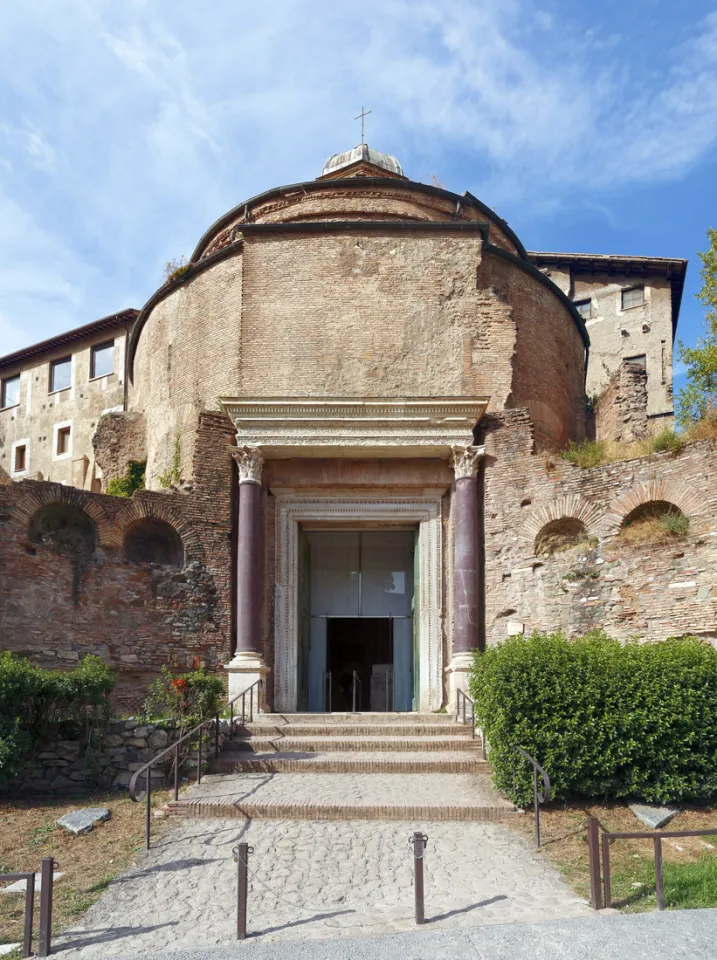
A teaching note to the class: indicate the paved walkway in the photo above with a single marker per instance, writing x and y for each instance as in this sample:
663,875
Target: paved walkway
678,935
317,880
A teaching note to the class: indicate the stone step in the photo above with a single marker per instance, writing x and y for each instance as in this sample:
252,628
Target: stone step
329,744
353,730
329,796
354,718
459,761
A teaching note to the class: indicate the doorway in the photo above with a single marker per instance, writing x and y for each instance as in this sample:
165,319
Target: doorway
356,595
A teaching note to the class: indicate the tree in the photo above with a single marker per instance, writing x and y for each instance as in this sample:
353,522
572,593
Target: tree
699,398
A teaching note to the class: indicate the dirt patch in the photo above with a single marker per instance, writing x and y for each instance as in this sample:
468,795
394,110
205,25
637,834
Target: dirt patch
28,832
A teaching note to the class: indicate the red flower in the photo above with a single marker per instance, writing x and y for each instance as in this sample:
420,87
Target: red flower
179,683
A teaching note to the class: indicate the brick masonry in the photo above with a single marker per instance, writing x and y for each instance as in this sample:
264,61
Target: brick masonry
651,592
137,617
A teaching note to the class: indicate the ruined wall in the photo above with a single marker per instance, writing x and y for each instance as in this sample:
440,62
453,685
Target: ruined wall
621,413
58,602
650,591
119,438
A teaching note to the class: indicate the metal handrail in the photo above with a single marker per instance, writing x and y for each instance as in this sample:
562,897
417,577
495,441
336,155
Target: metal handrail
657,836
29,907
356,682
327,681
137,796
463,701
539,796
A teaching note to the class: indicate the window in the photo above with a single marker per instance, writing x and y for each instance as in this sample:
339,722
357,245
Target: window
20,459
639,361
60,374
635,297
584,307
103,359
64,435
10,392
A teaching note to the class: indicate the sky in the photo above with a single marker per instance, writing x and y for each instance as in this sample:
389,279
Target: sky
127,128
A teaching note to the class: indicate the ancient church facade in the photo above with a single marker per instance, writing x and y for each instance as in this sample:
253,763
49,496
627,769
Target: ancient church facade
347,401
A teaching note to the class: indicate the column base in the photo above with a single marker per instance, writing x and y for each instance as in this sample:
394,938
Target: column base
458,671
244,669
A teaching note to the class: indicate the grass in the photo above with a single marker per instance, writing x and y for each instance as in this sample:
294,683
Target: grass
690,863
663,524
596,453
89,862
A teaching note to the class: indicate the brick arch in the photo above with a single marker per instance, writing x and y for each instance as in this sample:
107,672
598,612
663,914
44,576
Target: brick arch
573,507
141,509
42,496
675,492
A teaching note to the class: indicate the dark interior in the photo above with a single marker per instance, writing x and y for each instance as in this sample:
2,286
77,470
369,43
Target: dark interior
355,643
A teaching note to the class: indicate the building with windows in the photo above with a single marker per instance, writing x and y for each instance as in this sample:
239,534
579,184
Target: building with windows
351,403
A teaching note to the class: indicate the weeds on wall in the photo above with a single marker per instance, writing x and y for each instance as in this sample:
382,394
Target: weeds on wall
176,268
132,479
596,453
654,523
36,704
172,476
605,719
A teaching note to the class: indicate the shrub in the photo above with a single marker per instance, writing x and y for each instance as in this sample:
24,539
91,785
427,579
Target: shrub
667,441
37,703
187,698
133,479
606,720
176,268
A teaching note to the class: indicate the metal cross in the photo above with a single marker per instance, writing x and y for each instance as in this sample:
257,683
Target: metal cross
364,113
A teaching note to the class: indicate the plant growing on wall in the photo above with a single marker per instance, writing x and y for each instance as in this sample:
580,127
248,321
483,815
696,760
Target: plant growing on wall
176,268
698,400
133,479
173,475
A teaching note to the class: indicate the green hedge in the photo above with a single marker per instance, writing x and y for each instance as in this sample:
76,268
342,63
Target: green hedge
605,719
36,704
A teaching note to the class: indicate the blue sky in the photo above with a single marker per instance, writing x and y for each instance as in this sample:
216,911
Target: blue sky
127,128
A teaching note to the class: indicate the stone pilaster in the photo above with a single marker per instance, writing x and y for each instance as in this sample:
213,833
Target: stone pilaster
465,568
247,665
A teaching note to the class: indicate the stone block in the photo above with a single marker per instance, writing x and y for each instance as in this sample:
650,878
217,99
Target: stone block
82,821
654,817
112,740
139,742
158,739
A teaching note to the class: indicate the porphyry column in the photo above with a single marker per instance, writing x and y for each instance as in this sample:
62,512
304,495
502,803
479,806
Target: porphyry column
247,665
465,567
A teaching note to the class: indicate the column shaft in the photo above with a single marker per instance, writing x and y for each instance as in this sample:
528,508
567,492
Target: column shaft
249,568
465,589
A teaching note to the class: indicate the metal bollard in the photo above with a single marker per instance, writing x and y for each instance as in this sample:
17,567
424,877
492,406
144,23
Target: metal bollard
419,841
241,856
44,947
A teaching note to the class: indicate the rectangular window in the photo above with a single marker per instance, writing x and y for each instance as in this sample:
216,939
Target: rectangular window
10,392
639,361
63,440
584,307
103,359
60,374
635,297
20,462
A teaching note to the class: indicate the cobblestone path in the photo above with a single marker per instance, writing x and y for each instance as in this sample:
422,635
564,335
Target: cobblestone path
317,879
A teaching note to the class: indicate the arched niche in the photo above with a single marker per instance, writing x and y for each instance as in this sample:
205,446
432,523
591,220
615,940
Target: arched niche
150,540
560,534
64,527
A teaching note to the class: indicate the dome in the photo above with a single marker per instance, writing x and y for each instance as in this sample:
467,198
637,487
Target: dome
362,153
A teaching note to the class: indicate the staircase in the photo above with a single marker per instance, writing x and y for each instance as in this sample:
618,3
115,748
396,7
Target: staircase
365,766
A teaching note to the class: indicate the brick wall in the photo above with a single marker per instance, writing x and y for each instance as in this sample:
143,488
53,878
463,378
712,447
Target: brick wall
651,592
119,438
55,606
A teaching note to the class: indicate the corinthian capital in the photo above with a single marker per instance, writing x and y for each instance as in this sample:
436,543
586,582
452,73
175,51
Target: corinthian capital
465,461
249,461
